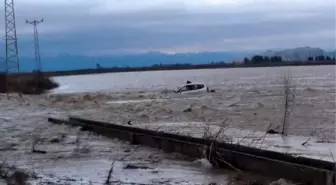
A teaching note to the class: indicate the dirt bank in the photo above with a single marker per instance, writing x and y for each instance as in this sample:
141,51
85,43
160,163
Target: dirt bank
26,84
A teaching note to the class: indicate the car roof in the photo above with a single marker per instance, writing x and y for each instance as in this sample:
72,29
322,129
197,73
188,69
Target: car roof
194,84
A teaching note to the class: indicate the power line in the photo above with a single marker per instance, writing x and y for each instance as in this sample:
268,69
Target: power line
36,44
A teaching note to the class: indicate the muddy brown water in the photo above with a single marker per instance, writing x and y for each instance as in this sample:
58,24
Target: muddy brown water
246,99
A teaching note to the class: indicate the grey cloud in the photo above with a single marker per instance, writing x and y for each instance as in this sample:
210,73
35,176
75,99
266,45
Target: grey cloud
79,29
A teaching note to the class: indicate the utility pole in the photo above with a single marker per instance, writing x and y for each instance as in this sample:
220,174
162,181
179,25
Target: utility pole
36,43
11,49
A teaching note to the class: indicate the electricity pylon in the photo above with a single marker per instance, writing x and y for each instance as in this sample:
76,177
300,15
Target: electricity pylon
36,43
11,48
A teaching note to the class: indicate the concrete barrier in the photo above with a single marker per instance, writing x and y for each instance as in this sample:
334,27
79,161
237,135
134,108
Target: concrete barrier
275,164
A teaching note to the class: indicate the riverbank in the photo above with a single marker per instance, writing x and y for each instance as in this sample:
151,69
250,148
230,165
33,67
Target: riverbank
35,83
182,67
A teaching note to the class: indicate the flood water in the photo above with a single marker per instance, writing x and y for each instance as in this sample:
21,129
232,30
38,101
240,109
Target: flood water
250,99
318,76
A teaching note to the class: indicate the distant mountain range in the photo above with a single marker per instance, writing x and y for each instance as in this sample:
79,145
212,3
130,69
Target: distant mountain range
71,62
299,54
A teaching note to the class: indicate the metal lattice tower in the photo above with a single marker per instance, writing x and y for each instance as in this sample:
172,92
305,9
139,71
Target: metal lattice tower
36,43
11,48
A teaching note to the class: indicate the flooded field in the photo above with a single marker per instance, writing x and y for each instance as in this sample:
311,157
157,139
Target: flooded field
249,98
319,77
246,103
77,157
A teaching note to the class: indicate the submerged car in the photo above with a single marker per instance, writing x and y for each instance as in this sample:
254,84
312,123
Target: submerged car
193,88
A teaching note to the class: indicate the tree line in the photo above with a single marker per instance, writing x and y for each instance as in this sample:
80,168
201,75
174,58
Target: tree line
321,58
259,59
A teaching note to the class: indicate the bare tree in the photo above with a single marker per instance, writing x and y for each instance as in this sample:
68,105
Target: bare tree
289,94
211,134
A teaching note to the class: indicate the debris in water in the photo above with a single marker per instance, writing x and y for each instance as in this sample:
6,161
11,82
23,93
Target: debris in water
189,109
212,183
306,142
39,151
58,139
204,163
127,151
260,105
255,183
234,104
18,177
324,141
271,131
55,140
309,89
132,166
282,182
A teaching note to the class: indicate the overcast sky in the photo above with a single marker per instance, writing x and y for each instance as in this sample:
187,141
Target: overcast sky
132,26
